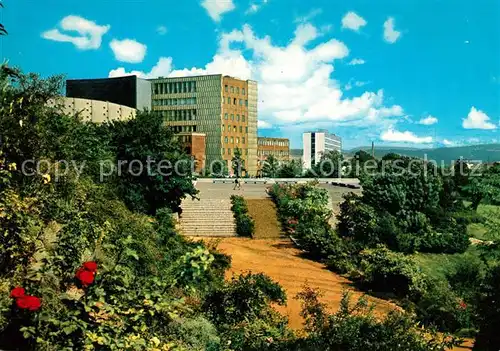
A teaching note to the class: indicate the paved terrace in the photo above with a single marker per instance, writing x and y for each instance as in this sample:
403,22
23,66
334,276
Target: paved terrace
218,190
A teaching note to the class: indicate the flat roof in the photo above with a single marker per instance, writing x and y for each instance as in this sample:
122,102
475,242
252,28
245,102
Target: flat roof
259,137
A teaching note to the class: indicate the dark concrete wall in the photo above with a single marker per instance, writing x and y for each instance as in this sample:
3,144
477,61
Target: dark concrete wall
121,90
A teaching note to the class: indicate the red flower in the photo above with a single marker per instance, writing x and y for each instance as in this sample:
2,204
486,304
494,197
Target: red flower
28,302
90,266
463,305
84,276
17,292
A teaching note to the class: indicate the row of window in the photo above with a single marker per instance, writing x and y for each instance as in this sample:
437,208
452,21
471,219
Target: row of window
226,116
174,102
180,129
235,129
229,153
178,115
232,139
272,152
174,87
273,142
234,89
235,101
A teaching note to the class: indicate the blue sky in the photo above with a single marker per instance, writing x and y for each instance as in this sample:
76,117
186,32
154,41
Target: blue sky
415,73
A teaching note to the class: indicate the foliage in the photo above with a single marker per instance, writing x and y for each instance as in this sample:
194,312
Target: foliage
241,311
238,164
401,207
52,223
488,337
482,186
353,327
153,172
328,166
245,225
271,167
291,169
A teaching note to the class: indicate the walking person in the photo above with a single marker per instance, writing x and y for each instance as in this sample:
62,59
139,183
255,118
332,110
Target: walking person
237,184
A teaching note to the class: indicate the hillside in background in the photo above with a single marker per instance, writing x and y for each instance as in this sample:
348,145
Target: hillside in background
485,152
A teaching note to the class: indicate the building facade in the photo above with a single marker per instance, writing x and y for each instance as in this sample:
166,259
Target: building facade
93,110
315,144
128,91
277,147
222,108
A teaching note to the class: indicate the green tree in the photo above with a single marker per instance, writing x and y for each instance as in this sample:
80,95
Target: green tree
291,169
484,186
237,163
271,167
329,165
152,170
488,338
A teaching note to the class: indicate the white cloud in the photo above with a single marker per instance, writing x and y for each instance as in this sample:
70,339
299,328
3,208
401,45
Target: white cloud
353,21
477,119
391,35
295,82
356,61
255,7
446,142
162,69
352,83
161,30
429,120
405,137
263,124
308,17
90,33
304,34
216,8
128,50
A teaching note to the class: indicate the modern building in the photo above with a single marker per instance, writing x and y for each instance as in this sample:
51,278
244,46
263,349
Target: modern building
128,91
277,147
223,108
315,144
93,110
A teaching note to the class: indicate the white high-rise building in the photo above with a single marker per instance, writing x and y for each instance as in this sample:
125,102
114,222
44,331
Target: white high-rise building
315,144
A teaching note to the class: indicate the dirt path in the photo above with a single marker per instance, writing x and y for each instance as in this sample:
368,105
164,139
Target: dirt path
280,260
263,211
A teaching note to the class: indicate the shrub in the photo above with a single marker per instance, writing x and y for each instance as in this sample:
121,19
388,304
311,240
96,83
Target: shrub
390,272
354,328
488,337
245,225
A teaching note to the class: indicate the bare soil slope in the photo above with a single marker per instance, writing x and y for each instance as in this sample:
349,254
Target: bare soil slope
263,211
280,260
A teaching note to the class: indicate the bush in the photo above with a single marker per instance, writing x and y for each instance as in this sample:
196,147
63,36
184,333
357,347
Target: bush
354,328
385,271
488,337
245,225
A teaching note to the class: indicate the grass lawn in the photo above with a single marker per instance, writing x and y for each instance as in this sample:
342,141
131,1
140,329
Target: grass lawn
489,230
438,265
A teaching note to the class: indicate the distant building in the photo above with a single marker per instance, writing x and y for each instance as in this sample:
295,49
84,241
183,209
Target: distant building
221,107
218,109
277,147
315,144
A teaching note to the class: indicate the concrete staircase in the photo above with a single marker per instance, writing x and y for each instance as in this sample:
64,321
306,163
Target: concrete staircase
207,217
